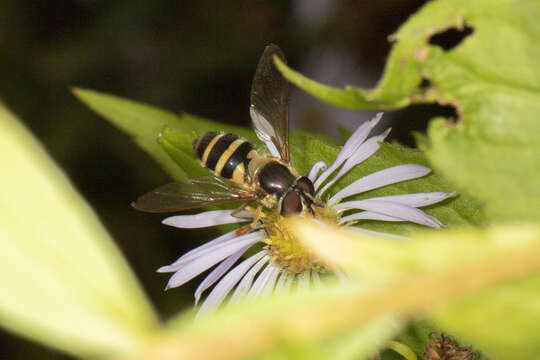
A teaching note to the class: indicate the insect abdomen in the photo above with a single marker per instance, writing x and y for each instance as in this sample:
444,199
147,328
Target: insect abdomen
226,155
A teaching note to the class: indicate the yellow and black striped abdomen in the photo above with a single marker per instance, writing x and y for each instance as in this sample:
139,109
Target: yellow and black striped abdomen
226,155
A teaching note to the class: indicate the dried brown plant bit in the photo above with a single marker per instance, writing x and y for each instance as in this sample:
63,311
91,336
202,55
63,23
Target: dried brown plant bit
444,347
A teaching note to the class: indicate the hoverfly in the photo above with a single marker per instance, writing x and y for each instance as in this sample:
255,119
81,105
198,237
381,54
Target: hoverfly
240,173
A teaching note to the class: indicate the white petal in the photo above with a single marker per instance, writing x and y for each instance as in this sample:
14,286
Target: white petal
281,281
368,215
303,281
205,219
416,200
314,172
204,262
260,281
341,276
220,291
244,286
379,179
404,212
209,247
377,233
316,278
271,282
218,273
352,144
288,282
365,150
190,255
268,275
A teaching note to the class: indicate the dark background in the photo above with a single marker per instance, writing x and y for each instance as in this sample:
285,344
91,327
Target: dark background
193,56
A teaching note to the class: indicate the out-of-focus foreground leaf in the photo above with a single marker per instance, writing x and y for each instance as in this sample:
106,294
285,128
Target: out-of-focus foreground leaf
298,324
63,281
146,123
412,282
445,265
358,343
492,78
503,320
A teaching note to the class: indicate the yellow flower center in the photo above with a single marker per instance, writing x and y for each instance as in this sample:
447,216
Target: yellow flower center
287,252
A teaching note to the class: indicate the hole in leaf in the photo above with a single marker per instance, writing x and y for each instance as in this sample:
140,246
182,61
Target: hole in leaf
450,38
416,118
425,83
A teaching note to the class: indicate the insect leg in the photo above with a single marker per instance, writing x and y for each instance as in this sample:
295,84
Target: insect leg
236,212
256,216
247,228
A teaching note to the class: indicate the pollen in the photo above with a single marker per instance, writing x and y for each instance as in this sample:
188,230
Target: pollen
286,251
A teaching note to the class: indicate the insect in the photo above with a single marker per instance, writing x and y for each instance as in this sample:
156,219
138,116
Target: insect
240,173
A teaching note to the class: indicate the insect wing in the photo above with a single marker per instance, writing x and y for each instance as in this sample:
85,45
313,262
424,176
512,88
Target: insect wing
191,194
270,102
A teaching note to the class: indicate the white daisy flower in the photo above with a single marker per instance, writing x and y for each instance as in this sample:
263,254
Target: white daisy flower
282,261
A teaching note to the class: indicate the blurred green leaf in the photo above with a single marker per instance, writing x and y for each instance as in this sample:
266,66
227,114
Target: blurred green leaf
361,343
64,282
430,252
302,325
445,265
412,284
145,123
501,320
493,80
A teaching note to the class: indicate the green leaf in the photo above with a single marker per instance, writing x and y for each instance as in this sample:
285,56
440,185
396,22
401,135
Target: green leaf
493,80
302,325
359,343
64,282
391,93
432,251
447,265
502,320
432,268
145,123
177,145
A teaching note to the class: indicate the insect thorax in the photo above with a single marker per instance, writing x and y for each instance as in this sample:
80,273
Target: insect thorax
272,176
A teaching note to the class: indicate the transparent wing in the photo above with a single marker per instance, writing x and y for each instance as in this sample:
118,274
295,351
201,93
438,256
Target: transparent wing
192,194
270,103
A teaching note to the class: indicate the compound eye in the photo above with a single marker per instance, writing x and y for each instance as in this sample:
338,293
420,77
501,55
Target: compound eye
291,204
305,185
